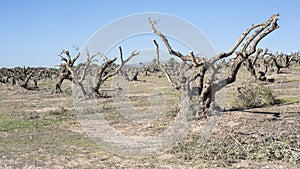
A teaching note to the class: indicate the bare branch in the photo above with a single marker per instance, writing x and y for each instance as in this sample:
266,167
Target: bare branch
262,26
121,54
273,22
166,42
258,52
104,57
171,81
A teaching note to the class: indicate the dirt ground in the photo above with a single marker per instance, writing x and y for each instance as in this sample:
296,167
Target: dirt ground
39,129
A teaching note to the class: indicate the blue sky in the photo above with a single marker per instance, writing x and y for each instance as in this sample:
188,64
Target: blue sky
33,32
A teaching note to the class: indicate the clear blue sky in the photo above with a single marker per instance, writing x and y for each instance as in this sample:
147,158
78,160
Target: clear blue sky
33,32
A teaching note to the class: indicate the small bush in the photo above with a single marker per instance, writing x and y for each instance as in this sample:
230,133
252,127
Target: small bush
253,94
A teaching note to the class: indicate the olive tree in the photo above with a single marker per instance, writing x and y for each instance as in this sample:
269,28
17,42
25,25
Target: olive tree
205,70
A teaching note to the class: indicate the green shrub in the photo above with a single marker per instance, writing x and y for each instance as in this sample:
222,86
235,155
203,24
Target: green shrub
253,94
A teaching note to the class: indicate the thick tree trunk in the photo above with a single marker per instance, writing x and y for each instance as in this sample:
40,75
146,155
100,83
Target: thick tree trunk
205,70
25,83
96,89
61,78
58,84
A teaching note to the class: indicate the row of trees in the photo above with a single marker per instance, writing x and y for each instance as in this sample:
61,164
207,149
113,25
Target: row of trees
200,87
26,77
78,73
263,63
259,65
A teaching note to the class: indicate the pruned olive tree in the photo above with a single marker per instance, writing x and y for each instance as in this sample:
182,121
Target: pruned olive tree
205,70
281,60
131,73
108,69
77,74
64,72
258,65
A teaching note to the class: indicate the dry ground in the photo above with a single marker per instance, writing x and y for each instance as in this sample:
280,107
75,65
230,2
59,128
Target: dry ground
40,130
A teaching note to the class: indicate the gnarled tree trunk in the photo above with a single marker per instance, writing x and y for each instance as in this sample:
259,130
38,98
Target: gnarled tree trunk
107,70
208,68
65,73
